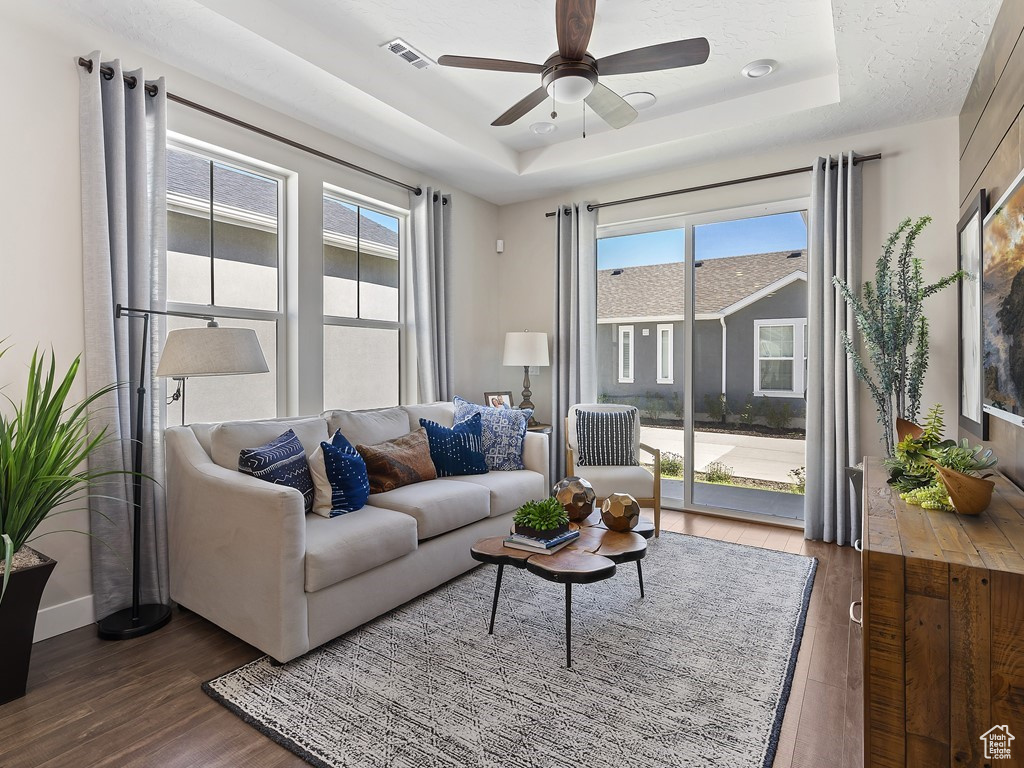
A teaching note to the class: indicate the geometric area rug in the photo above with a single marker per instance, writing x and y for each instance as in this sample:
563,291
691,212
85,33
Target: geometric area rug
697,673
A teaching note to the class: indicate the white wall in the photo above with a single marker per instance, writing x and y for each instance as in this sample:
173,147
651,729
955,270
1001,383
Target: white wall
41,256
917,176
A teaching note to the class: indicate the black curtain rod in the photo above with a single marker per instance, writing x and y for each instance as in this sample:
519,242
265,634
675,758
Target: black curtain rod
131,81
717,184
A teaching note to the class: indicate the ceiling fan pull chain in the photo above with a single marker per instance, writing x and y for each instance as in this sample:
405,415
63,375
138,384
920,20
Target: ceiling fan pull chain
584,118
554,114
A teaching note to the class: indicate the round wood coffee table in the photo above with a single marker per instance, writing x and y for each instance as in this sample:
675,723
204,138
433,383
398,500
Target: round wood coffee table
590,558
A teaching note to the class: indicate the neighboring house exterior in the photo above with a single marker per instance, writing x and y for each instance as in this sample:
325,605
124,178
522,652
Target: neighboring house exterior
749,337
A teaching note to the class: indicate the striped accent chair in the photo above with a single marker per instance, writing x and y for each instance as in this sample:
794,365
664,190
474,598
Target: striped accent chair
607,479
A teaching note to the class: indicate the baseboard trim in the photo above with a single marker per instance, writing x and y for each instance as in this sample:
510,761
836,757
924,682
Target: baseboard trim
63,617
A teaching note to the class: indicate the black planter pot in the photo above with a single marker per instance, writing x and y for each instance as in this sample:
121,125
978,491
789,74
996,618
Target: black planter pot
550,533
18,611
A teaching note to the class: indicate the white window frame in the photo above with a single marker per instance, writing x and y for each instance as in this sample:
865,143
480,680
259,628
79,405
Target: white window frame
400,325
799,325
279,317
665,328
627,330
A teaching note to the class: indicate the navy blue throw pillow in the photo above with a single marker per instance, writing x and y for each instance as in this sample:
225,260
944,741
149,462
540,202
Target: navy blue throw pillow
458,450
346,471
281,461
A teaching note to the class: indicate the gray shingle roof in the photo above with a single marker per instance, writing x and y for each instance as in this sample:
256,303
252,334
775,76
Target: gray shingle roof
189,175
656,290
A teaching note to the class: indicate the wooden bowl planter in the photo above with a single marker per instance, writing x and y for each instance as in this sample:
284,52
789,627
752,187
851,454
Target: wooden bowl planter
969,495
905,429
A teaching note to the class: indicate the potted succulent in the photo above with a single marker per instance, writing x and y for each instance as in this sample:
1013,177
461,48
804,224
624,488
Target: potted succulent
544,519
44,443
940,474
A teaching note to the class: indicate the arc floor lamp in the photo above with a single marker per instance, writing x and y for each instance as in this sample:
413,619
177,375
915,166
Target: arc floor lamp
209,351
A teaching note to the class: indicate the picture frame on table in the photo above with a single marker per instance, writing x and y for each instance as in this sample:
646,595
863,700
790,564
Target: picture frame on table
970,250
498,399
1002,309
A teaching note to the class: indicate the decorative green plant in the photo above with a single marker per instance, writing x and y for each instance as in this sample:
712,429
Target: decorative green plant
778,416
912,470
890,316
545,515
43,445
671,465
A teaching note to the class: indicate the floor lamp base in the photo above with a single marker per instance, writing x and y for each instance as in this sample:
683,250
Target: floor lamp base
120,626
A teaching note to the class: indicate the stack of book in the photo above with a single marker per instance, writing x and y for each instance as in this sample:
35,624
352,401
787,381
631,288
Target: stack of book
538,545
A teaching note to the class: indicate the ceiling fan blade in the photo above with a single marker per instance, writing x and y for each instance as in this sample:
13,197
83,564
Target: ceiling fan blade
610,107
574,21
522,106
494,65
681,53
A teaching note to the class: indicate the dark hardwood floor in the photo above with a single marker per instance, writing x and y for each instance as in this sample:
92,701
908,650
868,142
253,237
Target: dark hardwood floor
138,703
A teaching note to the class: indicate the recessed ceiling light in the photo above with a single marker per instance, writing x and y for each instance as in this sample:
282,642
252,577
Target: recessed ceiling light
543,129
640,100
759,68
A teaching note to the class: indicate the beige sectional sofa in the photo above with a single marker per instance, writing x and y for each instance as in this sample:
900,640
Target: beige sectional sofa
244,554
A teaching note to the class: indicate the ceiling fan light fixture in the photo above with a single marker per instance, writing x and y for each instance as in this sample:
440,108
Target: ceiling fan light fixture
639,100
570,88
759,68
542,128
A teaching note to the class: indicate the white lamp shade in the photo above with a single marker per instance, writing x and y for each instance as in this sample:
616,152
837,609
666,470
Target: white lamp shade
211,352
526,348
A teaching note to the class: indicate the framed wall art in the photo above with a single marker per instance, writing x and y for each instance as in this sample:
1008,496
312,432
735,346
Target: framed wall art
972,377
1002,299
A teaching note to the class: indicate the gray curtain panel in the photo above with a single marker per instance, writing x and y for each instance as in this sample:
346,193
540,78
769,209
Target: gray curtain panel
431,258
123,137
833,443
574,349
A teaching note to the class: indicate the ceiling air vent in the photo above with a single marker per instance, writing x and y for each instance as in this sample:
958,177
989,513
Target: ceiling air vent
399,47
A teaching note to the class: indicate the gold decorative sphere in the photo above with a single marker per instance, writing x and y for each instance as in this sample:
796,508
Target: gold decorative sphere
577,496
620,512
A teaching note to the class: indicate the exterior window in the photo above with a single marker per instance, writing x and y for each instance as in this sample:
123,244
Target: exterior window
625,354
781,360
665,354
362,305
224,258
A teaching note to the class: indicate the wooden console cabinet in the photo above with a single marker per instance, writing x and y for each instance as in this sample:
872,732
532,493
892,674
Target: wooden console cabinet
943,629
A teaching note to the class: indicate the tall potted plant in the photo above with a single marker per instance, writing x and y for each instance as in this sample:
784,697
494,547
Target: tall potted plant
890,315
44,443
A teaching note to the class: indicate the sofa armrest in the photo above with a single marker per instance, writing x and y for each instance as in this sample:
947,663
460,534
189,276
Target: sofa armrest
535,454
237,549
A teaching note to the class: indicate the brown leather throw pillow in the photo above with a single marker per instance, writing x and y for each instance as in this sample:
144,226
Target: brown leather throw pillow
402,461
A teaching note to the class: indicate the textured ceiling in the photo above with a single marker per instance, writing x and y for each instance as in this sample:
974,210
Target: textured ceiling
845,66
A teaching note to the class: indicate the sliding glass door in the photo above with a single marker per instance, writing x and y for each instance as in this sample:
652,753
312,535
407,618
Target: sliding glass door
702,325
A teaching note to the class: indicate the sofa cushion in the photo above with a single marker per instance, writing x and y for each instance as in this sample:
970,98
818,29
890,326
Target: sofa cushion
339,548
442,413
369,427
229,438
282,461
636,481
504,430
437,506
402,461
340,480
509,490
456,450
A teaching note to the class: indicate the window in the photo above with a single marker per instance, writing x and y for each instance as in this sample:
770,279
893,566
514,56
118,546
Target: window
224,259
625,354
780,357
665,353
362,304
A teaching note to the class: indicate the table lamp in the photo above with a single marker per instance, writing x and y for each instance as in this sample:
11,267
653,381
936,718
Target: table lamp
526,348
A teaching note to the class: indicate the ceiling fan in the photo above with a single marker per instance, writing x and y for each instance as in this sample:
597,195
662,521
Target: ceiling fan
570,75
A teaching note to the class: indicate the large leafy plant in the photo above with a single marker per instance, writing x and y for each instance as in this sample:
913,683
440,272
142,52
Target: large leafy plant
890,315
44,443
912,470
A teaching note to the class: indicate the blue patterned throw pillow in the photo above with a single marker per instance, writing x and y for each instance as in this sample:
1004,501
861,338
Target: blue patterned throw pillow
281,461
457,450
346,471
504,430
